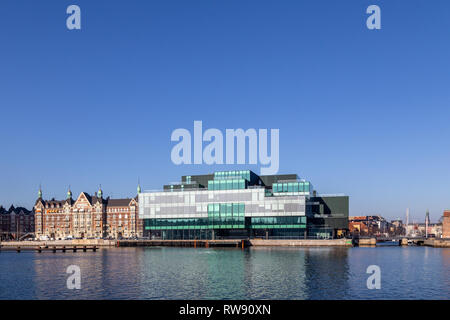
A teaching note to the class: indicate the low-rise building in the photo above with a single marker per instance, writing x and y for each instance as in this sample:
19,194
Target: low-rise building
122,218
15,222
375,225
367,225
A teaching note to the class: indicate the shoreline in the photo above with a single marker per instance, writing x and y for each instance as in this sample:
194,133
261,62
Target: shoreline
436,243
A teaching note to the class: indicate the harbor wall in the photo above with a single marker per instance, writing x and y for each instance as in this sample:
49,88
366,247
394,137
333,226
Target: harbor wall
367,241
302,243
437,243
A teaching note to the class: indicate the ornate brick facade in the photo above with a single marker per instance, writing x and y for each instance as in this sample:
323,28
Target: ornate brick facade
446,224
87,217
15,222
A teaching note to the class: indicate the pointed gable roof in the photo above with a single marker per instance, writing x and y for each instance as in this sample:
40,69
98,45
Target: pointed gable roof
92,200
84,196
39,201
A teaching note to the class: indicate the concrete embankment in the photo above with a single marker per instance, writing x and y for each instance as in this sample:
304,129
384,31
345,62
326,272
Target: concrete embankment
367,242
437,243
302,243
187,243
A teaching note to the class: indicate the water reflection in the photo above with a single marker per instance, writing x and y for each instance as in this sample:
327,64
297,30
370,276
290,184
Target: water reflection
254,273
327,273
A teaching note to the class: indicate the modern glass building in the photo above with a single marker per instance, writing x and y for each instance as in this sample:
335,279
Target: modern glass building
241,204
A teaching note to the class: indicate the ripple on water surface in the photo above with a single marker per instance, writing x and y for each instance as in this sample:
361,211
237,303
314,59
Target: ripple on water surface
254,273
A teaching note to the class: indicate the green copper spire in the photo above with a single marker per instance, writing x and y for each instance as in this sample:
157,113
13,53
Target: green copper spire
139,188
100,192
69,194
40,193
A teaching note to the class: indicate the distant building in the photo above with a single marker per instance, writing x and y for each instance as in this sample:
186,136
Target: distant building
358,227
396,227
397,223
375,226
367,225
87,217
433,230
446,224
15,222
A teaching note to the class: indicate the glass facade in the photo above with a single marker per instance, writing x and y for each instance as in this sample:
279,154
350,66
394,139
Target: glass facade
278,222
176,224
233,204
242,174
230,184
226,216
292,187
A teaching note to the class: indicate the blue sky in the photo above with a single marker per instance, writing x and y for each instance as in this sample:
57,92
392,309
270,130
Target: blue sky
360,112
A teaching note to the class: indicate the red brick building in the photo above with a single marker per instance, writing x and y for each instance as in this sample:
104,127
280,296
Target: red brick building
446,224
87,217
365,225
15,222
122,218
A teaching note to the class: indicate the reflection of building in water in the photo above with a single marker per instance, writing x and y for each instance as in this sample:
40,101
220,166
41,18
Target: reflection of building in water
275,273
327,272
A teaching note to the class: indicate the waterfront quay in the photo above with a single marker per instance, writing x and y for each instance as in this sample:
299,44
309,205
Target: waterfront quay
235,243
403,241
185,243
80,244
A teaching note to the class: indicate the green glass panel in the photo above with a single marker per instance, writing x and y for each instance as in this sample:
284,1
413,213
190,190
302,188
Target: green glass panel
307,186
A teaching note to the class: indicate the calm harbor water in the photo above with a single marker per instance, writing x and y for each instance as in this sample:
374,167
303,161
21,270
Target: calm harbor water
254,273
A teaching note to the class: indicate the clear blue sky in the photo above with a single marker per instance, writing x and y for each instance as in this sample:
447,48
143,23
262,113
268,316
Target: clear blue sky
360,112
